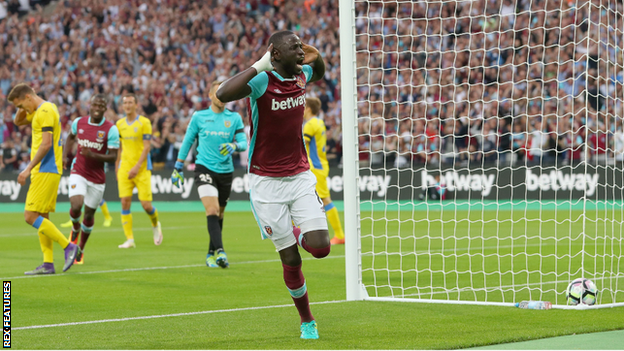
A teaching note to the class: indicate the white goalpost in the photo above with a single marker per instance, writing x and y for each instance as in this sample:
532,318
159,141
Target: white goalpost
483,149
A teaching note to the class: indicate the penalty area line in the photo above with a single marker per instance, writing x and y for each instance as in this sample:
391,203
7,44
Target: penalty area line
169,315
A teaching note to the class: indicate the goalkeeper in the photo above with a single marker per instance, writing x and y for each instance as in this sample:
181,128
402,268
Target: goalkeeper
219,133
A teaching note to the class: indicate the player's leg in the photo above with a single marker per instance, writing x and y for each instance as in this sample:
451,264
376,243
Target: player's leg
77,192
209,198
330,210
144,186
307,212
108,219
40,200
91,202
334,220
126,223
268,198
223,184
125,187
87,227
75,212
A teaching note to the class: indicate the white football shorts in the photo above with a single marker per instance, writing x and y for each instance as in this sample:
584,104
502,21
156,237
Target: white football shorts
278,202
92,192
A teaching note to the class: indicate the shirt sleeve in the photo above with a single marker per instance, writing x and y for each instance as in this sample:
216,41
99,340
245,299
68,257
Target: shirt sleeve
258,85
308,131
308,72
189,138
46,118
113,138
74,127
147,129
240,136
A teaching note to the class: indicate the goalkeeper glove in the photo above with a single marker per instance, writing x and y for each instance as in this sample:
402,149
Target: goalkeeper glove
227,149
177,177
264,64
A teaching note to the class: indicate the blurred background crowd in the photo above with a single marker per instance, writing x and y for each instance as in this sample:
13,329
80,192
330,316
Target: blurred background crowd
438,82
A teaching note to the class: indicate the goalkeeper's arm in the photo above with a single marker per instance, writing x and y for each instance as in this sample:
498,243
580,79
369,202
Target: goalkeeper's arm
236,87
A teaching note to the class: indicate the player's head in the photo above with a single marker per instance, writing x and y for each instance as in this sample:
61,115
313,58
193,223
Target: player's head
287,52
99,104
212,93
313,107
24,97
130,103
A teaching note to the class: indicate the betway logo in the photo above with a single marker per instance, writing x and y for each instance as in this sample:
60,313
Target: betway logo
10,188
90,144
461,182
163,185
375,184
288,103
557,180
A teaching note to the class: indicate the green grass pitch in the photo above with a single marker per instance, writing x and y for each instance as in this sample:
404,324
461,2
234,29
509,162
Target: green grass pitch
185,305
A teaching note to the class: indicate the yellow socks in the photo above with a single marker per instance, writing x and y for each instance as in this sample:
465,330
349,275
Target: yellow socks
334,220
126,223
104,207
46,248
153,216
47,228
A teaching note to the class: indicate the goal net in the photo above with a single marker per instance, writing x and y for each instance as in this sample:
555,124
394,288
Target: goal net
486,142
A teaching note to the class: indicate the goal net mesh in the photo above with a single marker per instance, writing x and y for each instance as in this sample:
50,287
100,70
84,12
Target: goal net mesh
490,148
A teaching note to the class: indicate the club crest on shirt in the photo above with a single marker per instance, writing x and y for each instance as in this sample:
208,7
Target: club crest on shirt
227,124
100,136
136,129
268,229
73,186
80,130
300,83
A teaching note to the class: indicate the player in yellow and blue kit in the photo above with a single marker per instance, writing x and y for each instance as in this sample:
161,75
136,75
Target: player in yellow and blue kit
219,133
134,169
44,170
314,134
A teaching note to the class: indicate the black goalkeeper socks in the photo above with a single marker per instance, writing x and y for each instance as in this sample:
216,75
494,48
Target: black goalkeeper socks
214,229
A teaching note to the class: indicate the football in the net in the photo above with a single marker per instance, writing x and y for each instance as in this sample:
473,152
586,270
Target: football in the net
581,291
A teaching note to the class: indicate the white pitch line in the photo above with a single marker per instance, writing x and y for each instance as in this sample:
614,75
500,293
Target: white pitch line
168,315
104,230
151,268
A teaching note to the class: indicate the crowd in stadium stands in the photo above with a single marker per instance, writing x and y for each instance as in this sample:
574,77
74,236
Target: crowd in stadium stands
441,82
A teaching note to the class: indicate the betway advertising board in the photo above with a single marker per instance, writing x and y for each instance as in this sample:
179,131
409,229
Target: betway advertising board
602,183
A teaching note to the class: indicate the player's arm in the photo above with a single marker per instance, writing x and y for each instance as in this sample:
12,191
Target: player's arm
147,146
46,145
315,60
177,176
112,144
236,87
69,145
238,143
22,117
118,159
189,138
308,133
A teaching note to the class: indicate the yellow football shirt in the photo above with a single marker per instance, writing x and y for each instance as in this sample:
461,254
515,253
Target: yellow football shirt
132,135
46,119
314,134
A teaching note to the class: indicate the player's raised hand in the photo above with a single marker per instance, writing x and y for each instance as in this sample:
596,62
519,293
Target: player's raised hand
311,53
227,149
264,64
